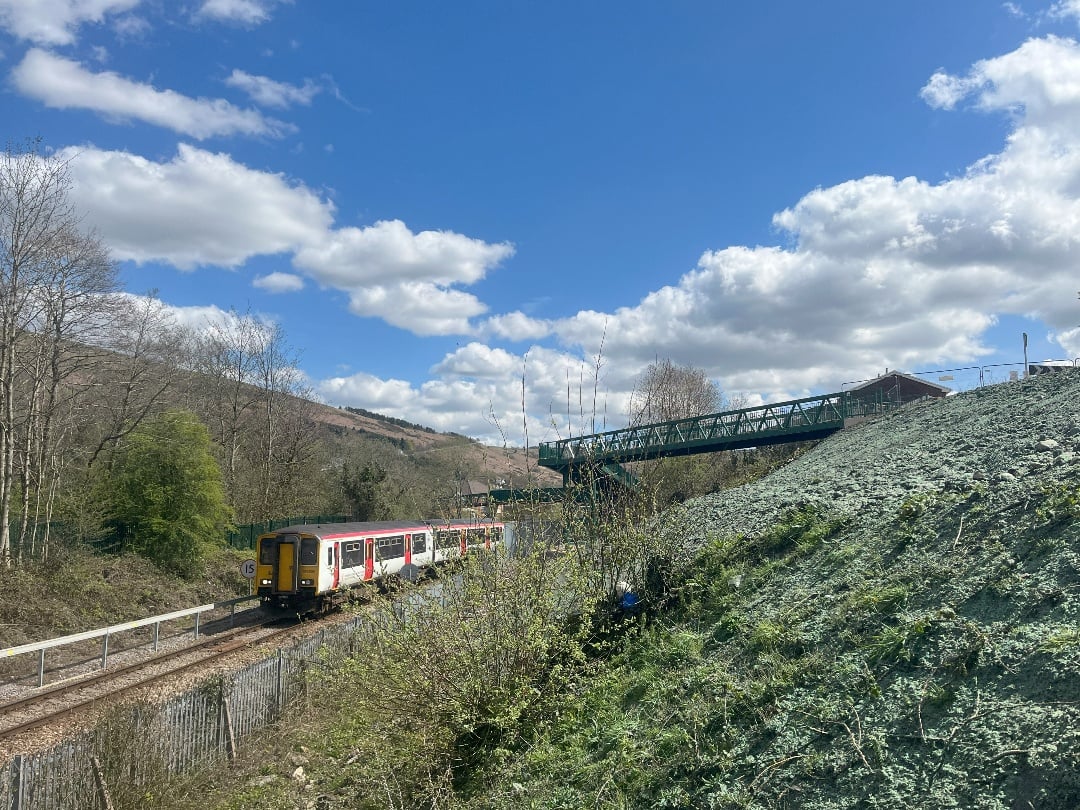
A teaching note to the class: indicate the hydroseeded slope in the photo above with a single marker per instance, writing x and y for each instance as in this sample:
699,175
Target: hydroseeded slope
926,652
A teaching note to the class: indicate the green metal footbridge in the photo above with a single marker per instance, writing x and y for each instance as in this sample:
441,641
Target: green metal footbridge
796,420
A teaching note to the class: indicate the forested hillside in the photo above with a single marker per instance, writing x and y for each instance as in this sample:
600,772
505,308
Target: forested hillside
123,427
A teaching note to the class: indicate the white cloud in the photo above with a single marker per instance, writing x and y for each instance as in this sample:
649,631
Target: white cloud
516,326
200,208
944,91
279,283
473,395
203,208
1039,82
245,12
270,93
388,251
1069,339
478,360
403,277
886,272
65,84
54,22
1066,8
419,307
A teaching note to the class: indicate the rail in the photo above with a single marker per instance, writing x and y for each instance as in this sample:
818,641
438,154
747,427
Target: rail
105,633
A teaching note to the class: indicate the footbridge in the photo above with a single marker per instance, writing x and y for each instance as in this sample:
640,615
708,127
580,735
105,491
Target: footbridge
796,420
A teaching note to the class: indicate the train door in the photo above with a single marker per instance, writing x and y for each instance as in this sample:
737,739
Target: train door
369,558
333,552
286,567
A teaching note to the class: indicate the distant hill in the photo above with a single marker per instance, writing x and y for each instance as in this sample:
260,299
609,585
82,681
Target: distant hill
510,466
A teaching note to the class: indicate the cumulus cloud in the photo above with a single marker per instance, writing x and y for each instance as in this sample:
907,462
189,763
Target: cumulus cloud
886,272
269,93
472,395
405,278
478,360
279,282
1039,82
516,326
420,307
200,208
54,22
388,251
204,208
65,84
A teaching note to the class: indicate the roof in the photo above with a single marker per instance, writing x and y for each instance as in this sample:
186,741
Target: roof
895,378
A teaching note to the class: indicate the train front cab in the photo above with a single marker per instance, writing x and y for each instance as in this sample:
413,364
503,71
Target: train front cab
288,569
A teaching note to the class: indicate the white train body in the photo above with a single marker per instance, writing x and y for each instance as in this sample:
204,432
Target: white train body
308,566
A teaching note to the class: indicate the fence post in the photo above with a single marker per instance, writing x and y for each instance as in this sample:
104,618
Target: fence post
280,680
227,726
100,784
18,773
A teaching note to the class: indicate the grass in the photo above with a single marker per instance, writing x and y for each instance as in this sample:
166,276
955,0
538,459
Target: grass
81,590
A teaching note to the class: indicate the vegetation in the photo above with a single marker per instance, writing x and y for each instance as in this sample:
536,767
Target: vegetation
920,654
87,373
164,495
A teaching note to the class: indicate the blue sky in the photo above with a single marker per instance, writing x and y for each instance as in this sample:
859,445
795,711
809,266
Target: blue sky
439,202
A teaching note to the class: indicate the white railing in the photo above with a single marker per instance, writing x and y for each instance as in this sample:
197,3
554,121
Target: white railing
105,633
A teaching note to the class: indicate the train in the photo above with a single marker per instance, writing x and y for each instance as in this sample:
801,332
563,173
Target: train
312,567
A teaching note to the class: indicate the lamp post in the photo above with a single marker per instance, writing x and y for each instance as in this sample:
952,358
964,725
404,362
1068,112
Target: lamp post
1025,356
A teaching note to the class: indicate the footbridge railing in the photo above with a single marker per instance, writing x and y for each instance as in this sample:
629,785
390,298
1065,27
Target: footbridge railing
778,423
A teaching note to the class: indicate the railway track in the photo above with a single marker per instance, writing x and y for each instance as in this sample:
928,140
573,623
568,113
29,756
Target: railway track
67,699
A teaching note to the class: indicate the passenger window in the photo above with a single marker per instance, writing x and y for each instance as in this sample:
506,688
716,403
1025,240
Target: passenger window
309,551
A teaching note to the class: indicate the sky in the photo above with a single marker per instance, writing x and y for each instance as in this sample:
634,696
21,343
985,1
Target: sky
490,218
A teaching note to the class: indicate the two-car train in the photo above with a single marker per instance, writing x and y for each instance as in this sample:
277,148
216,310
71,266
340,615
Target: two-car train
310,566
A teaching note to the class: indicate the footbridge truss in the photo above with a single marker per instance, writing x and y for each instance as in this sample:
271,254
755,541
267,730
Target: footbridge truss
796,420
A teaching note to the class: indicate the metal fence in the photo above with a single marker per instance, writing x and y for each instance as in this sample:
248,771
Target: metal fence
245,536
136,749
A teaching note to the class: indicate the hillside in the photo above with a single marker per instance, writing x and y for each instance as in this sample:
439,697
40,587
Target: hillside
891,620
492,464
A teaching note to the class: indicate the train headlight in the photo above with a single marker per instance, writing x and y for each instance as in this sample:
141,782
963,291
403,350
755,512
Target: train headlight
307,582
264,582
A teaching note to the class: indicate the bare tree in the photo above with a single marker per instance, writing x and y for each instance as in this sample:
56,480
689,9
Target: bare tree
280,384
668,391
226,397
53,277
144,364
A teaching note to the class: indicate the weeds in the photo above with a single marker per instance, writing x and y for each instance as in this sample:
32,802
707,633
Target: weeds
895,644
1059,504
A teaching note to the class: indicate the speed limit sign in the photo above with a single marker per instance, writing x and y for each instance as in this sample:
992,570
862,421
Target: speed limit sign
247,568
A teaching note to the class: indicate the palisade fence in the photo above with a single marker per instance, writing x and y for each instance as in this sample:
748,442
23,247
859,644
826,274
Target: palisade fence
63,534
136,749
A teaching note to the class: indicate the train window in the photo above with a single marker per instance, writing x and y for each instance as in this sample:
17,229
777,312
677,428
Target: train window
447,538
352,555
496,534
309,551
419,543
330,556
474,537
267,551
387,548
